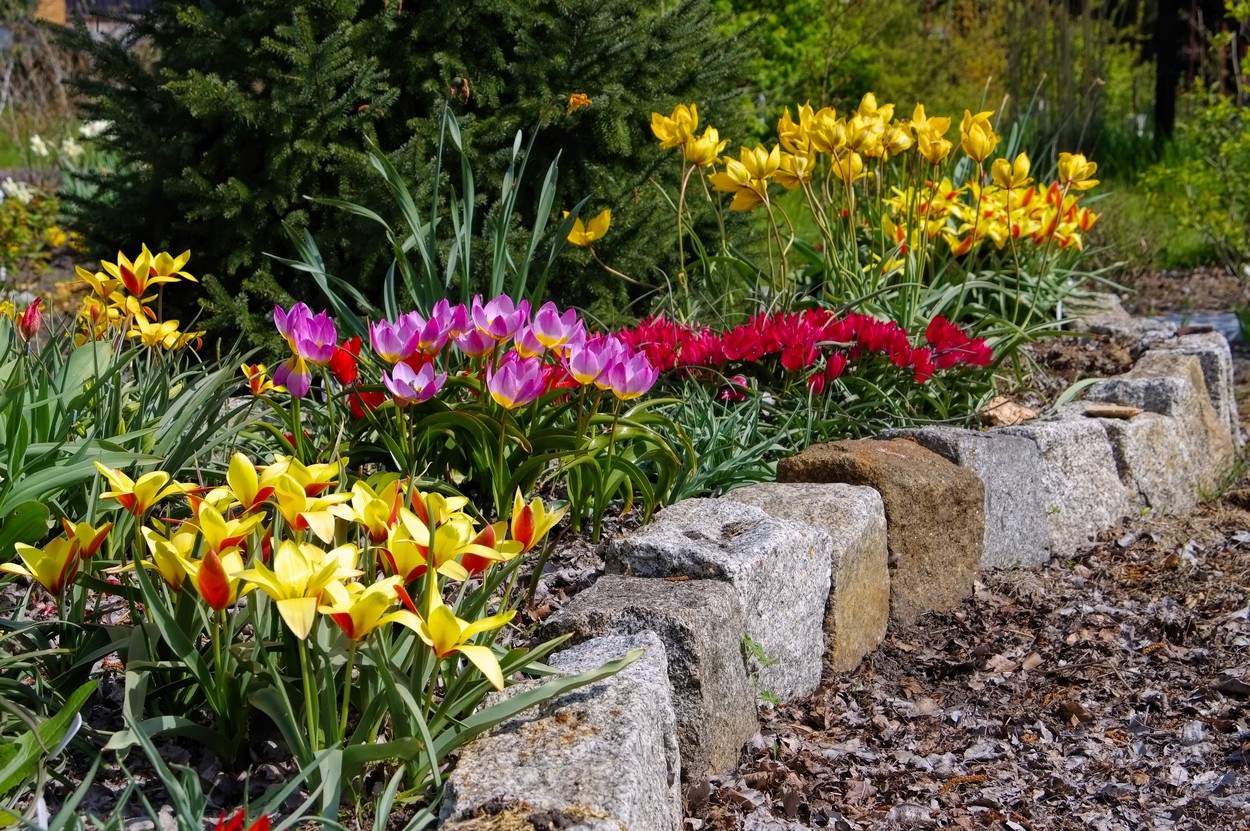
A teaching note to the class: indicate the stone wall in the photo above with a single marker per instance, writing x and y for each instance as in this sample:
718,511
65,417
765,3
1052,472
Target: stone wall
758,594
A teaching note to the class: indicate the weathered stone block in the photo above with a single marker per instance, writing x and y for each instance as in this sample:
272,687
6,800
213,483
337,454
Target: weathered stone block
1084,494
1102,313
779,570
935,515
1216,359
600,758
859,594
1172,384
1015,503
1152,456
700,623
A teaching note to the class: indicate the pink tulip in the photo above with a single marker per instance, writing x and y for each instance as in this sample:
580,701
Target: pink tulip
475,343
551,328
631,377
526,343
516,381
409,386
500,317
393,342
294,374
587,362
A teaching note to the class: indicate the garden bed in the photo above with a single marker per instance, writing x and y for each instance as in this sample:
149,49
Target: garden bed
1028,665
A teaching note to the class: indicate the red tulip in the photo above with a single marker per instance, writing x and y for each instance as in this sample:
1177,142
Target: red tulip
343,362
30,318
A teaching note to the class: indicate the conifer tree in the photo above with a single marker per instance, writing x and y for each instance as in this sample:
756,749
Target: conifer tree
227,113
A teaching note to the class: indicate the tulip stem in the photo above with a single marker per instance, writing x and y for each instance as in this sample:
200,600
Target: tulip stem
309,702
347,688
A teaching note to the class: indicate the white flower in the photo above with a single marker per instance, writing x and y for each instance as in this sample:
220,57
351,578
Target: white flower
94,129
38,146
21,191
71,149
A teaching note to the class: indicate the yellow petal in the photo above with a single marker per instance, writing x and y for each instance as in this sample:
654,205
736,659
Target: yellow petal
298,613
484,659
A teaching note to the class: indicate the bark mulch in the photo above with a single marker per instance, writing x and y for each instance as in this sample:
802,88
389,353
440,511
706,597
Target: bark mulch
1109,691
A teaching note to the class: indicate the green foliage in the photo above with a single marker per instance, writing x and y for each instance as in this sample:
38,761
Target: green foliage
1200,184
249,106
28,228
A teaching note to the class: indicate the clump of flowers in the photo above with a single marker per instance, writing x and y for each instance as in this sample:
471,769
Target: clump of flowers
869,175
520,354
815,344
512,374
120,297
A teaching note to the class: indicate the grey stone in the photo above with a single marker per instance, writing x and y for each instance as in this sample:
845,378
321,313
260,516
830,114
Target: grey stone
1079,476
853,516
1103,313
700,623
1213,353
934,512
779,570
1015,503
1172,384
1152,456
602,757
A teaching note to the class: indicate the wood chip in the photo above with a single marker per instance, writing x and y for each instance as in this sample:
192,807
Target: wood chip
1123,411
1003,412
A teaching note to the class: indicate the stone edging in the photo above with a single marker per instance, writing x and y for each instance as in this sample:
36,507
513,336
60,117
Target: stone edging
762,591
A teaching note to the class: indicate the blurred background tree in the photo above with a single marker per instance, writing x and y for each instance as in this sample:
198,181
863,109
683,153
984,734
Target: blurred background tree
244,107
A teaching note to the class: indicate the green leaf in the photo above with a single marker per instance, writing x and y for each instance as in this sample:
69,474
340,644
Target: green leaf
27,523
20,758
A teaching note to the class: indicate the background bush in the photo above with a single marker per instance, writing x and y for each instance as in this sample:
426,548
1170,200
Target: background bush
246,107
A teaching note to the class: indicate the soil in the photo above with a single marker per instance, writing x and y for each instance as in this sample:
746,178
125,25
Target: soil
1108,691
1186,290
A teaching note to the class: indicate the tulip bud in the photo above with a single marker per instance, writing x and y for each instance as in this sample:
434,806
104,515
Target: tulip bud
30,319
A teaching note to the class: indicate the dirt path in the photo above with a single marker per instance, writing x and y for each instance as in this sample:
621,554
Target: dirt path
1110,691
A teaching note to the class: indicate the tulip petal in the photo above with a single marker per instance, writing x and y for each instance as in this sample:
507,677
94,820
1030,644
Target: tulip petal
484,659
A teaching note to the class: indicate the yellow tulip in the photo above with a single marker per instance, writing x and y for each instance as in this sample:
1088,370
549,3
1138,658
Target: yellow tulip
895,141
584,234
162,334
138,496
924,124
673,130
102,286
736,179
245,486
303,512
848,166
706,149
828,132
1012,175
532,522
760,163
220,533
447,634
433,508
1077,172
359,610
313,478
868,108
935,149
89,537
977,136
299,575
375,511
169,552
216,577
794,170
165,265
796,138
52,566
